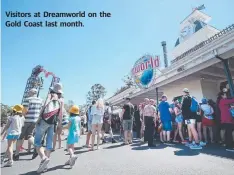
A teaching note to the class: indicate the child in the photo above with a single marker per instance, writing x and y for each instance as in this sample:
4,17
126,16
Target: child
13,127
74,127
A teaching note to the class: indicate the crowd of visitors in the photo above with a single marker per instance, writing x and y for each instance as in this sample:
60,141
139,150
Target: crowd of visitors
186,121
188,118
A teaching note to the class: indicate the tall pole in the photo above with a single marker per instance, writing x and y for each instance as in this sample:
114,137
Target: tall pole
157,98
164,45
228,74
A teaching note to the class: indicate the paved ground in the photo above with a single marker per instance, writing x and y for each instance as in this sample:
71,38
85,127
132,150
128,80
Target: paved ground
137,159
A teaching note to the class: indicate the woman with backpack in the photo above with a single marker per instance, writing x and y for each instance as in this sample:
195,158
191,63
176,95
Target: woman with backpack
51,113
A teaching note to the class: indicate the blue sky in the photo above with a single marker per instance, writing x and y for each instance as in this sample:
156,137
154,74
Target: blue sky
103,51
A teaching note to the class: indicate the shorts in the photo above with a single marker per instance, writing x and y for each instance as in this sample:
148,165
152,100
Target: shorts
190,121
166,126
12,137
41,128
207,122
179,119
127,125
27,131
97,119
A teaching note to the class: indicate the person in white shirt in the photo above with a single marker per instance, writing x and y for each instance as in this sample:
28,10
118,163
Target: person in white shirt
97,111
13,128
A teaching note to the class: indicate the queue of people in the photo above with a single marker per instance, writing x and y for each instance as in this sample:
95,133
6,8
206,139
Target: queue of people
189,118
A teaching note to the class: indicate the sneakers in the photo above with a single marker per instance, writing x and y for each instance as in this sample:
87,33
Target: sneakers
67,162
230,149
35,154
73,160
45,169
188,144
9,163
87,146
202,143
43,165
195,146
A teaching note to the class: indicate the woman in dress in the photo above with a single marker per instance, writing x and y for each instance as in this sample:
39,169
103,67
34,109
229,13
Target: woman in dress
97,111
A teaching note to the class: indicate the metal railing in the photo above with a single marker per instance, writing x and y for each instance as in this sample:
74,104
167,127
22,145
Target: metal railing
202,44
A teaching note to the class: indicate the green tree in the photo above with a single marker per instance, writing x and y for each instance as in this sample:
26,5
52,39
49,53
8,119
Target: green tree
97,91
128,81
5,111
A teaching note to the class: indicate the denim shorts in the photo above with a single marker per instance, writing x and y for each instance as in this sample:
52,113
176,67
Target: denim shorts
12,137
179,119
41,128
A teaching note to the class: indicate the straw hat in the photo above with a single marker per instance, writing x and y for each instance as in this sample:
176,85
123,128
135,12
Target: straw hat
74,110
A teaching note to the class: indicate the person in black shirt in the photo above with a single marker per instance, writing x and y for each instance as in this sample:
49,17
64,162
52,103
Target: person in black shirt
127,116
137,121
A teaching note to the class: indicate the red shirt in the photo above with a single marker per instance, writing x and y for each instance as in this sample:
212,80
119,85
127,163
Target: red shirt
224,106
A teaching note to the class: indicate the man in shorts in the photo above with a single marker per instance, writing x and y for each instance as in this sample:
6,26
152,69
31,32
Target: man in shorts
166,119
32,106
127,117
190,120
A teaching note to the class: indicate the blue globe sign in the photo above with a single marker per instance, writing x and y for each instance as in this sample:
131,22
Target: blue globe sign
145,70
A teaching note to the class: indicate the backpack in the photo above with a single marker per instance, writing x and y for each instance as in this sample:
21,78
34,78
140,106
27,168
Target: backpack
194,105
231,110
51,112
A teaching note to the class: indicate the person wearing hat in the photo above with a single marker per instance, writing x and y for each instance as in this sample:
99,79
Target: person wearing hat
74,127
190,119
32,108
50,118
166,118
207,119
13,128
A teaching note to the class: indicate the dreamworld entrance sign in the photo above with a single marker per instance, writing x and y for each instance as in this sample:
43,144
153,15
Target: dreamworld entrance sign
145,71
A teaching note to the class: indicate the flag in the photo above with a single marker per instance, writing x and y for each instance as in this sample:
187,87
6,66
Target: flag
201,7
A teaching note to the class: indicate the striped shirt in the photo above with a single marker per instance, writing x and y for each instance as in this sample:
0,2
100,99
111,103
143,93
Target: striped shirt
34,105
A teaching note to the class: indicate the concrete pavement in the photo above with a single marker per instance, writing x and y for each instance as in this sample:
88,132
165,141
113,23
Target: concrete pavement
137,159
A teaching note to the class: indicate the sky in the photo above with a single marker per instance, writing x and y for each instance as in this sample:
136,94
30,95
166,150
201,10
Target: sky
103,51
